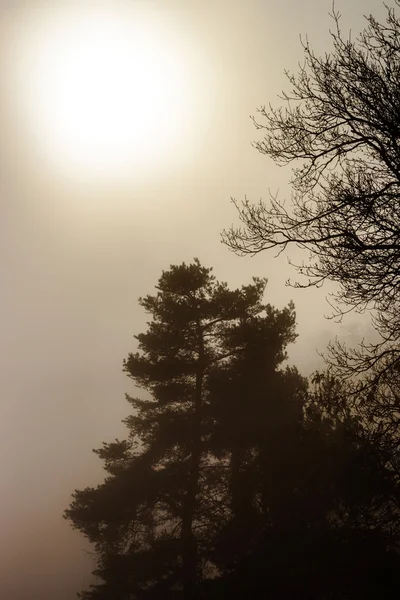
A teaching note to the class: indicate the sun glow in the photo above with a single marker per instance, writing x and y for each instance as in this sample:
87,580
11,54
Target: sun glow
106,88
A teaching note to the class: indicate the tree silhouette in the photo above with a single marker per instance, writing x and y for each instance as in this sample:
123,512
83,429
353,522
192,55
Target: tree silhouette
341,128
154,519
316,514
240,478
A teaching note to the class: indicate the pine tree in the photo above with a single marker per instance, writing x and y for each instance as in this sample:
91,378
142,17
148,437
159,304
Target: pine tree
156,516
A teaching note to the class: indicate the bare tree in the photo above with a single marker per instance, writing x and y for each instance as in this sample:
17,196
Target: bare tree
340,124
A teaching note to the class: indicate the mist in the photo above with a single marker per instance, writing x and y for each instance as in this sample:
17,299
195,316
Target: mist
78,252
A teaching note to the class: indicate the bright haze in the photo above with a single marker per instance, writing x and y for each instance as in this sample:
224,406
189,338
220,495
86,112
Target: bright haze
125,130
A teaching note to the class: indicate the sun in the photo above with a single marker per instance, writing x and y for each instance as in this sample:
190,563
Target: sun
106,89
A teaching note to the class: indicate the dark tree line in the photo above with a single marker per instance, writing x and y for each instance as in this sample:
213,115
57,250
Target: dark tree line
238,477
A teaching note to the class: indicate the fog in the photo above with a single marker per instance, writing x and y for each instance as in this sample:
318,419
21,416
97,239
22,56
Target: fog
77,253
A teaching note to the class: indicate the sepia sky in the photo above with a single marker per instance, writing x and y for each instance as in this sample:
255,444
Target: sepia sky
125,130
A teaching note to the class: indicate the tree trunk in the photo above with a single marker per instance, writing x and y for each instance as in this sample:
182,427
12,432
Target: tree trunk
236,491
189,543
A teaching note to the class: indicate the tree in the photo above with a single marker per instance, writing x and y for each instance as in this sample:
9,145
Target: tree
316,515
366,479
341,125
154,519
254,484
258,413
371,415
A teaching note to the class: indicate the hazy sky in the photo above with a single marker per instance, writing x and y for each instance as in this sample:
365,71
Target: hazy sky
80,243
